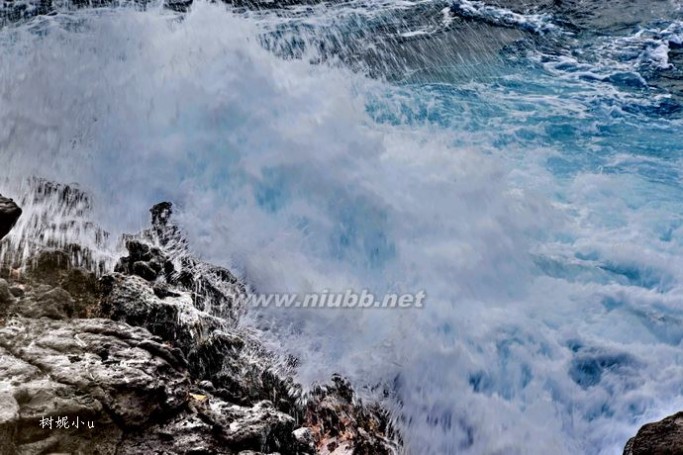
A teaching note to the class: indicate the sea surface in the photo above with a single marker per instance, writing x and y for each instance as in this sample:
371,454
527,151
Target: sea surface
518,160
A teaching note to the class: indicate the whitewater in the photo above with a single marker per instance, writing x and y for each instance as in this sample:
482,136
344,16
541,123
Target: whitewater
522,169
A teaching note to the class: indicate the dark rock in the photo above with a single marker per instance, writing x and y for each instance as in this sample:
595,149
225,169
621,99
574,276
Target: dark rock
9,214
143,260
162,369
6,296
659,438
54,303
16,291
49,266
185,434
304,440
7,300
125,381
161,254
144,270
131,299
162,291
54,268
161,214
243,428
214,349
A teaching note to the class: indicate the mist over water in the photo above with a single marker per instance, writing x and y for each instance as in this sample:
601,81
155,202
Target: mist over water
524,170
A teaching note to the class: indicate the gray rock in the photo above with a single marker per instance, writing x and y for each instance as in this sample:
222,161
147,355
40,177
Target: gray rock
9,416
131,299
260,426
659,438
55,269
95,370
6,296
54,303
16,291
131,386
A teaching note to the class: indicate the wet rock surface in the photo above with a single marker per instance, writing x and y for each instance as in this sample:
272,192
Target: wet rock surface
9,214
659,438
133,362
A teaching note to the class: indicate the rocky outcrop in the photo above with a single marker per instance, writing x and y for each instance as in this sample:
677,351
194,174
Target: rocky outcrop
160,255
151,359
338,425
659,438
9,214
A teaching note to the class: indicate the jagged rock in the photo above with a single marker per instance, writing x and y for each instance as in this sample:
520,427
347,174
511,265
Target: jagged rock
248,427
9,415
17,291
659,438
9,214
132,388
163,291
339,425
161,255
143,260
239,370
186,434
130,299
158,370
215,350
304,439
161,214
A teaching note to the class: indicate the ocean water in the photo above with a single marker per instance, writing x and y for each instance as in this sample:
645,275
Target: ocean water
520,162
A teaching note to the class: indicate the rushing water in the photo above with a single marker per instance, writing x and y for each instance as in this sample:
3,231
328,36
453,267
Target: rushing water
519,161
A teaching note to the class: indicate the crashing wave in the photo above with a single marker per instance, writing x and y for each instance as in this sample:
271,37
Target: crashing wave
536,23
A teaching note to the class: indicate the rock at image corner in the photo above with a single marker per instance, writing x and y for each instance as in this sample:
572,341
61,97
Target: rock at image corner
9,214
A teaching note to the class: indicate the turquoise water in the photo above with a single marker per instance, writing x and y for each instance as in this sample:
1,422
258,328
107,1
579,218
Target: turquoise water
520,163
